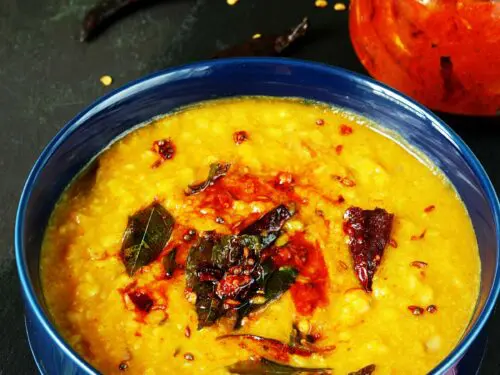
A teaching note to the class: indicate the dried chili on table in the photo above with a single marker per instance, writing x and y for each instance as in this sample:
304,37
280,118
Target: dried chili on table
271,45
102,14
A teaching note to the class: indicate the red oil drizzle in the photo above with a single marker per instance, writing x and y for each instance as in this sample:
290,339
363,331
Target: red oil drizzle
309,261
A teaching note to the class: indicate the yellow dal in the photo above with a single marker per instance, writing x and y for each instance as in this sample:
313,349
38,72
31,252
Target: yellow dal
82,275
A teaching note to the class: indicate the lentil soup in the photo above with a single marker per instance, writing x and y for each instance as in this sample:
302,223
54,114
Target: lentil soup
259,235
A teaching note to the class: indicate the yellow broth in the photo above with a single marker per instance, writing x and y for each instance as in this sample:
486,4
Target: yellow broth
432,260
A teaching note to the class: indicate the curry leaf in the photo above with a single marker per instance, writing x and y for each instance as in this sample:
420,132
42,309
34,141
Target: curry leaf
147,233
273,282
208,307
229,250
217,170
368,370
169,263
200,253
279,282
265,366
268,227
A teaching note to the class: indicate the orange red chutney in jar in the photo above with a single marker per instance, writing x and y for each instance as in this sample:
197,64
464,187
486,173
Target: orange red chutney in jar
443,53
260,235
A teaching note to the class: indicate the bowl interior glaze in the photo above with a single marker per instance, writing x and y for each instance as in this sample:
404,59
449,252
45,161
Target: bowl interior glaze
96,126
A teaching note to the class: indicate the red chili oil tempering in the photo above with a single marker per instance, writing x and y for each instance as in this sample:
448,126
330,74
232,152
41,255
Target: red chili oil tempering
308,259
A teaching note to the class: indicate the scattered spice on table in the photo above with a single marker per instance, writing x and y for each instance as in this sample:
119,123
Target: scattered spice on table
106,80
339,7
321,3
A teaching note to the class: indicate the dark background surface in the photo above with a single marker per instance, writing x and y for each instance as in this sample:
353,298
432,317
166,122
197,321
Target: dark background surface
47,76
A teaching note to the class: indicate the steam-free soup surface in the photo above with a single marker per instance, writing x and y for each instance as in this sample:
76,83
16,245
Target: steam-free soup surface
130,309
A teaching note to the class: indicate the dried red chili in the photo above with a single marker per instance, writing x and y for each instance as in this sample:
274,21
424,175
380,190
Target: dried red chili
240,136
271,45
369,233
102,14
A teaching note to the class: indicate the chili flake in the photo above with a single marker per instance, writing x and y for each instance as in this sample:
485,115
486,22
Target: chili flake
165,148
339,149
429,208
419,237
416,310
345,130
418,264
431,309
240,136
187,332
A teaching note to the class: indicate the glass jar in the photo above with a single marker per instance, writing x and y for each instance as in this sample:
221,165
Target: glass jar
443,53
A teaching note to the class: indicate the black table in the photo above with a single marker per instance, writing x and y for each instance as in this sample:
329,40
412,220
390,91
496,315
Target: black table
47,76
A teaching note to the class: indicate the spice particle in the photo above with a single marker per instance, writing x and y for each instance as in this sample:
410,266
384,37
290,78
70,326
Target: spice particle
106,80
339,7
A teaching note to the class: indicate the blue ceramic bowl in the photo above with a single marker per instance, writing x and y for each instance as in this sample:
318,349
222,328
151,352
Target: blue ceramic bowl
87,134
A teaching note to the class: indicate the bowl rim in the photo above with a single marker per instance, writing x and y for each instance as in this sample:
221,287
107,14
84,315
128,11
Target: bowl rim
148,81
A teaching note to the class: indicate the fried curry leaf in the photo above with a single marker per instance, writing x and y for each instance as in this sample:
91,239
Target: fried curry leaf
217,170
169,263
209,308
368,370
147,233
265,366
229,250
199,253
273,283
369,233
211,263
268,227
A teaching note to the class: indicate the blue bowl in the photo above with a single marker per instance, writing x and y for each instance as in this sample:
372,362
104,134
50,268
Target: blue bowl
87,134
